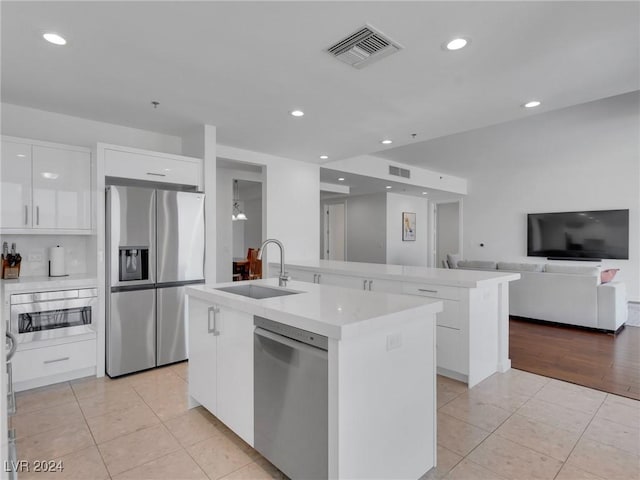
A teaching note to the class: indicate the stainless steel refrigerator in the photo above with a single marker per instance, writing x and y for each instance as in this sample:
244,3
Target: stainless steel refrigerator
155,246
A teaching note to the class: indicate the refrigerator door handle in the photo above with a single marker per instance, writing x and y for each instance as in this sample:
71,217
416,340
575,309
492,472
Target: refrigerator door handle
212,327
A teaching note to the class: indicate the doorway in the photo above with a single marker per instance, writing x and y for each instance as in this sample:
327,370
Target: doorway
334,232
448,229
246,231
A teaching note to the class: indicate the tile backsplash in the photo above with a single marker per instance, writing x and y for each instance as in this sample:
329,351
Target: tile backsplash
34,250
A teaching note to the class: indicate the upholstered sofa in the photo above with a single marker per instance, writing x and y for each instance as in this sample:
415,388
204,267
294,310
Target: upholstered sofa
573,295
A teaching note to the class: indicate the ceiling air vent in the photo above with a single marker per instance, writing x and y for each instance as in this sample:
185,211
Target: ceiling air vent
399,172
364,47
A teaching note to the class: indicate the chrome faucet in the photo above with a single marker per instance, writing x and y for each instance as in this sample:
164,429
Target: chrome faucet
283,278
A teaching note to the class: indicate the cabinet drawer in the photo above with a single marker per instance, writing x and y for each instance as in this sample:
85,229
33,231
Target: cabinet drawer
434,291
42,362
152,168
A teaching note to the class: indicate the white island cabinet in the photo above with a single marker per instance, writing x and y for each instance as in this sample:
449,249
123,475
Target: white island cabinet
473,329
380,364
221,363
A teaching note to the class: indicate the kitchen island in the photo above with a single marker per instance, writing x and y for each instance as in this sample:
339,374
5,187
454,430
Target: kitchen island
380,370
473,329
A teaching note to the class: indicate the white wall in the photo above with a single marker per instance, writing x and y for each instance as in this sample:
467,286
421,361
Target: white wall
34,250
36,124
366,219
579,158
201,142
290,194
253,224
228,231
447,230
400,252
237,235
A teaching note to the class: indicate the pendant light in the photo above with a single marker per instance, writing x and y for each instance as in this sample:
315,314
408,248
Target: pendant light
237,214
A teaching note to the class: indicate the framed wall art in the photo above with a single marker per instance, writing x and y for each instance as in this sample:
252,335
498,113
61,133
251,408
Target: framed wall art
408,227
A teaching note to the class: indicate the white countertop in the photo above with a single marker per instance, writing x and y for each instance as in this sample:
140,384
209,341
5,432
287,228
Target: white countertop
434,276
326,310
41,284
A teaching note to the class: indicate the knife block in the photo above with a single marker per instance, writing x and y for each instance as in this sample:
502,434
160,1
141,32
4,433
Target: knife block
8,271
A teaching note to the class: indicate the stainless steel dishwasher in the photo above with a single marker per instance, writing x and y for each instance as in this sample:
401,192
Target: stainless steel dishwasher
291,399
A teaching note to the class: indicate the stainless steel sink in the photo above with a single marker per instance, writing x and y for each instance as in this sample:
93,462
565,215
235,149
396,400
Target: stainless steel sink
256,291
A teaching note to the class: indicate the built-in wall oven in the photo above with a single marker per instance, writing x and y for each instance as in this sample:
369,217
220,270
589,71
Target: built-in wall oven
56,314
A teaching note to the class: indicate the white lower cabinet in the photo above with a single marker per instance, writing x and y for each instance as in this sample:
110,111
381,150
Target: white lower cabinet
450,354
235,371
221,364
467,328
202,355
347,281
388,286
299,275
55,363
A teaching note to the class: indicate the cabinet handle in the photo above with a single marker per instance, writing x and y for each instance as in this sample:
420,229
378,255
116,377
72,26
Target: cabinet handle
156,174
315,278
364,284
37,215
56,360
213,328
370,282
210,326
26,214
319,275
428,291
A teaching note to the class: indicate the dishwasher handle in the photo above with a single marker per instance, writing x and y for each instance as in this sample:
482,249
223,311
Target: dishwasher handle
294,344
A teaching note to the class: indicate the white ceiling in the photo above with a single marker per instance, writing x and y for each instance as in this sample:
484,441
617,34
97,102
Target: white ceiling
242,66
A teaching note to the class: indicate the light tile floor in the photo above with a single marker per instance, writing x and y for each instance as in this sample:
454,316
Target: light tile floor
515,425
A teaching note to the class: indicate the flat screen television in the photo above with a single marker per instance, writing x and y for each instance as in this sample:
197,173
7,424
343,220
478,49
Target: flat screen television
594,234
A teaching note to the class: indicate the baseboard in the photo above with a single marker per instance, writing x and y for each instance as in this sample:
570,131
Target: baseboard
504,366
51,379
566,325
445,372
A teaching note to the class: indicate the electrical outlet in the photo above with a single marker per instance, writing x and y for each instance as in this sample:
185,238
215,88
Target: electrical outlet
34,257
394,341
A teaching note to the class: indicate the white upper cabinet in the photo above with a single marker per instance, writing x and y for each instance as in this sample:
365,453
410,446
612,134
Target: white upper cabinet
15,171
61,189
122,162
46,188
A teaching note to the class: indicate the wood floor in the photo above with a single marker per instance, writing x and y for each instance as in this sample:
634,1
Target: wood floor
606,362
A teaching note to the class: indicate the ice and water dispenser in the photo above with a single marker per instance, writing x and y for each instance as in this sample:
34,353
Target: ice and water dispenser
134,263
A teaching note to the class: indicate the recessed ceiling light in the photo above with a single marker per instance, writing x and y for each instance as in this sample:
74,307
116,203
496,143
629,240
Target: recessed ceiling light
21,155
54,38
324,157
456,44
532,104
425,193
50,175
388,187
341,179
386,141
297,113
